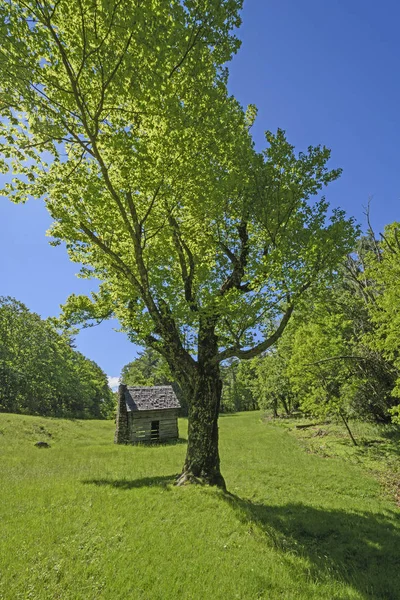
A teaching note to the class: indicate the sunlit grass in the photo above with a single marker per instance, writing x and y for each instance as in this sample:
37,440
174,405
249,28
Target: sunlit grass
85,519
377,450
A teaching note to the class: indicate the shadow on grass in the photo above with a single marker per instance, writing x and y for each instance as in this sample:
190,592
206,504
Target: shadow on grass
126,484
382,449
391,432
361,549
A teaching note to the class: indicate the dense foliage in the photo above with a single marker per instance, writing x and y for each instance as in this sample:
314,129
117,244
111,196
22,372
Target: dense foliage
40,374
237,391
384,271
339,356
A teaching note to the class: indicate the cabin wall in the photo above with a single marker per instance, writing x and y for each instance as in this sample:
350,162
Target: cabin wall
139,425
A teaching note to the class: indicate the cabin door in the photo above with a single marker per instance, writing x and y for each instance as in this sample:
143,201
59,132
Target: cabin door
155,430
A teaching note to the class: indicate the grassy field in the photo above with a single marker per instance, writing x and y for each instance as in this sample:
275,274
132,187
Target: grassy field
377,450
85,519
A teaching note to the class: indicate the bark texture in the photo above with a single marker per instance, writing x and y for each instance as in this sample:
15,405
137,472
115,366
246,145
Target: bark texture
121,430
202,463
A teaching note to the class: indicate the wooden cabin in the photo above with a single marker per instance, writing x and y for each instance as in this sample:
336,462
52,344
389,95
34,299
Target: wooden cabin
146,414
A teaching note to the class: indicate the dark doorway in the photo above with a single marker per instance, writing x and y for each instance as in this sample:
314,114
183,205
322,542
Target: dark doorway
155,430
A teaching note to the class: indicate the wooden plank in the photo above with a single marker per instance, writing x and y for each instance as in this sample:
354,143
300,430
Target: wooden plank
141,431
154,415
146,424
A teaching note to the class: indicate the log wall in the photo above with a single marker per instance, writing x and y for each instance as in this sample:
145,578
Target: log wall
140,425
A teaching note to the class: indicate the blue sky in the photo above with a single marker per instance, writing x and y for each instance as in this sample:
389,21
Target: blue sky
326,72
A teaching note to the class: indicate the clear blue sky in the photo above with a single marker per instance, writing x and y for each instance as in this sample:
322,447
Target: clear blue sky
326,72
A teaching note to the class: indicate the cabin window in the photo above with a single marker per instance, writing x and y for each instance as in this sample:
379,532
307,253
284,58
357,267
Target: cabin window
155,430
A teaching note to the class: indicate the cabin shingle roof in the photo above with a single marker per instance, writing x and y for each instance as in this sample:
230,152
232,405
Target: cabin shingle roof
150,398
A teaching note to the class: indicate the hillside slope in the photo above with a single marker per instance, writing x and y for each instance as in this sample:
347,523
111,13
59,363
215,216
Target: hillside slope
85,519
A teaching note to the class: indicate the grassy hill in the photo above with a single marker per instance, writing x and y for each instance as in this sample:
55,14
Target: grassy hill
85,519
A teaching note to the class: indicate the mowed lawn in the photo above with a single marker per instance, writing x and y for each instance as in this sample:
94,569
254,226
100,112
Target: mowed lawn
86,519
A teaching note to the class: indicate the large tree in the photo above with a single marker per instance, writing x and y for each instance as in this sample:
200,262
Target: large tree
203,246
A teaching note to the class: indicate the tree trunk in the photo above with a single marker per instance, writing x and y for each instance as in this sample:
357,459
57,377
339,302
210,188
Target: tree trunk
348,428
275,407
285,405
202,463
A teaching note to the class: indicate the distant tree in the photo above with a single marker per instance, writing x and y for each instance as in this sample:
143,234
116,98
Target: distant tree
319,375
237,391
229,396
94,398
156,188
41,374
330,352
272,384
337,356
151,368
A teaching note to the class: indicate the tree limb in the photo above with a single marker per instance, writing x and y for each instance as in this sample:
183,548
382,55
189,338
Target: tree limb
256,350
234,280
187,270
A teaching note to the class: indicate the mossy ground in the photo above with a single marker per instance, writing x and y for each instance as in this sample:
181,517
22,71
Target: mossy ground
85,519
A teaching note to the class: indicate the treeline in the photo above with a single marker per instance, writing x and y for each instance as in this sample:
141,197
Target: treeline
339,355
41,374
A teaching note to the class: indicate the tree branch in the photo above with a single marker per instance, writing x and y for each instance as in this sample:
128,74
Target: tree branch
187,273
239,262
190,47
344,357
256,350
118,263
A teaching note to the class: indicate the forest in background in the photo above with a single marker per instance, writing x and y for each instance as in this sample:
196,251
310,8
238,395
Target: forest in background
42,374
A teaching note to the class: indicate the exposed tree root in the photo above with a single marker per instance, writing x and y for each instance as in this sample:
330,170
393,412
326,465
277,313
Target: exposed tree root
188,478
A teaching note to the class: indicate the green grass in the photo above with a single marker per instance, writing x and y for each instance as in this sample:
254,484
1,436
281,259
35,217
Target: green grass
377,450
86,519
